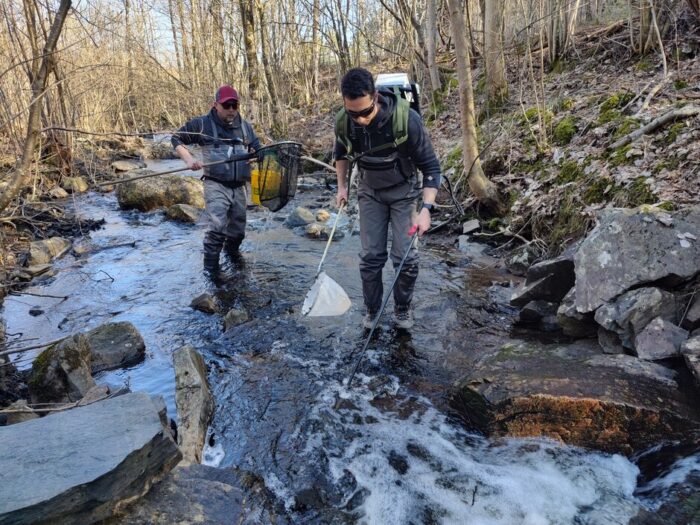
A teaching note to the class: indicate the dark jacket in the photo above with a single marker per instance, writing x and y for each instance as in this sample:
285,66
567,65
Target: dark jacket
215,137
418,149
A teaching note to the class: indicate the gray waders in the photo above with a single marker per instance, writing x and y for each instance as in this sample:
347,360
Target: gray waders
379,208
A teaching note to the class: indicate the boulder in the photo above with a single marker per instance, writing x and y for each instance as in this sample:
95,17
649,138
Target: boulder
659,340
234,317
629,248
74,184
202,494
61,373
115,345
521,260
58,193
691,321
205,303
572,393
19,412
194,401
127,165
300,217
634,310
182,213
547,280
573,323
160,192
79,465
690,350
610,341
534,311
43,252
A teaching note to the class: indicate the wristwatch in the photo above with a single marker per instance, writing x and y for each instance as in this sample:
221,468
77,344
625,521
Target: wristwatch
427,206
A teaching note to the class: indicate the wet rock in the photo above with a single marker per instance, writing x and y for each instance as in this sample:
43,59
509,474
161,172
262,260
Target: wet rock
547,281
183,213
691,354
205,303
610,341
35,311
549,323
299,217
195,404
95,394
682,507
574,394
234,317
322,231
43,252
534,311
160,192
629,248
58,193
200,494
24,412
470,226
521,260
398,462
115,345
159,150
634,310
74,184
573,323
36,270
77,466
128,165
468,247
692,316
61,373
322,215
659,340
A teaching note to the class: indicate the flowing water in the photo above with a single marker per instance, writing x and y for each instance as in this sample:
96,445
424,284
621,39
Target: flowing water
386,450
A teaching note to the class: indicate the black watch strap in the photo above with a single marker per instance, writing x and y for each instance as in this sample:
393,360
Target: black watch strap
427,206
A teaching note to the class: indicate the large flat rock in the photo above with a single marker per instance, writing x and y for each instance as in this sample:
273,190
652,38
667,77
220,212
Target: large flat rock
575,394
160,192
75,467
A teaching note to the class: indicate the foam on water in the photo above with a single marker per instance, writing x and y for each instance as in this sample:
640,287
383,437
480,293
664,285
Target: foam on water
451,476
213,456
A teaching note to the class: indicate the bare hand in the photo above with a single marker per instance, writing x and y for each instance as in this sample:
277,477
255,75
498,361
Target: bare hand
422,222
341,197
194,165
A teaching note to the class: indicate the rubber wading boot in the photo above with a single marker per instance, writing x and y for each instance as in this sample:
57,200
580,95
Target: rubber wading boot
403,317
211,266
233,251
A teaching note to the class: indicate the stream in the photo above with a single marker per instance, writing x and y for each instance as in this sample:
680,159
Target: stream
387,449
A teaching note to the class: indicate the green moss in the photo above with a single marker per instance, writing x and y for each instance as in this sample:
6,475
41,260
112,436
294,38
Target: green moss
609,115
565,130
639,193
512,197
627,126
507,352
452,83
671,163
494,224
532,116
618,157
560,66
598,190
645,64
667,206
564,104
568,222
480,85
570,171
39,368
454,158
673,132
679,83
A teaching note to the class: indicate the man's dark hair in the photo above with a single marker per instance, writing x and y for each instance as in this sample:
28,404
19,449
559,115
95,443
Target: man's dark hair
356,83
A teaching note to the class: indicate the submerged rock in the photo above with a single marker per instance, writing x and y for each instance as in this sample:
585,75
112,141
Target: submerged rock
615,403
43,252
74,185
79,465
128,165
183,213
300,217
205,303
158,192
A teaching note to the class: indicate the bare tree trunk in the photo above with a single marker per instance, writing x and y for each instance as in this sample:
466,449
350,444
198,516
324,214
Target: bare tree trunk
496,85
251,53
315,48
562,15
431,43
278,124
484,190
45,65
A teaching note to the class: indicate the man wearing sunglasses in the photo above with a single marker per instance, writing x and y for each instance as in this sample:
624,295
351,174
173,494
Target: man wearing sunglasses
222,134
389,186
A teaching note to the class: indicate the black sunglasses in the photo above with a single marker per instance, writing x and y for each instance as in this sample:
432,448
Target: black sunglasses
230,105
362,113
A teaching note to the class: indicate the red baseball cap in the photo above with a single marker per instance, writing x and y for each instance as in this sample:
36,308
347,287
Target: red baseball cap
225,93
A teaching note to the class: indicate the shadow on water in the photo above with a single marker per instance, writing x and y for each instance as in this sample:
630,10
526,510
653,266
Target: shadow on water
384,450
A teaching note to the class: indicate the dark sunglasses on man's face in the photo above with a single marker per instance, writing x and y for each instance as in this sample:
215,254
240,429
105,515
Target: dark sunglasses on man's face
362,113
230,105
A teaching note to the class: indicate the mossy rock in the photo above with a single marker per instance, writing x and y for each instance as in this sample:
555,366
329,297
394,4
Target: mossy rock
565,130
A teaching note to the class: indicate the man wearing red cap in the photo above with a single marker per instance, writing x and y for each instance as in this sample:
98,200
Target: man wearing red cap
222,133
